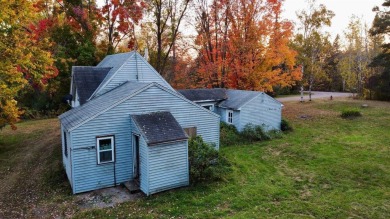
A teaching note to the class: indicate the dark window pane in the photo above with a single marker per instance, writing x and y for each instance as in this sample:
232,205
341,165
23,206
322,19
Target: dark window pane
106,156
105,144
65,146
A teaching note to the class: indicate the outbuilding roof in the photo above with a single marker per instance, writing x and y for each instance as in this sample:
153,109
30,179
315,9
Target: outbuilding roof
232,99
159,127
216,94
237,98
76,116
87,79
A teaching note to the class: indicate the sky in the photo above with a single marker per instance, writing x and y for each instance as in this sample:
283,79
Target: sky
343,10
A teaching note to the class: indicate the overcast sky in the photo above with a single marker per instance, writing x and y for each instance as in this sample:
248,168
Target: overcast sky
343,10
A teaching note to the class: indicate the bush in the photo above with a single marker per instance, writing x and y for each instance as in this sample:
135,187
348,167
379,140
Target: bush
350,113
206,163
254,133
229,135
274,134
285,126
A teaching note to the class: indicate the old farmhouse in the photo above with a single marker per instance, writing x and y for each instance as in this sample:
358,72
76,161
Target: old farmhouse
128,124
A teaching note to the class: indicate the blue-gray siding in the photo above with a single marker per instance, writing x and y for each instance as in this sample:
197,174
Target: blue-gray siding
134,69
88,175
236,116
144,166
168,166
66,160
262,110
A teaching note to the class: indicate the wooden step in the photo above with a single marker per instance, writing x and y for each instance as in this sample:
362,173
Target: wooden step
132,186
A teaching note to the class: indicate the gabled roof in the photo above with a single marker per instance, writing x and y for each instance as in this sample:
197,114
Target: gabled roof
87,79
77,116
93,108
115,62
216,94
159,127
238,98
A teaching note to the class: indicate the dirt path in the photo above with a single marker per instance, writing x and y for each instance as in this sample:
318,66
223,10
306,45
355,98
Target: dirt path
315,95
33,183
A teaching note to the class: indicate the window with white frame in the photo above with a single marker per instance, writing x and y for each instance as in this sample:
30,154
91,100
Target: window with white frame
105,149
209,107
229,116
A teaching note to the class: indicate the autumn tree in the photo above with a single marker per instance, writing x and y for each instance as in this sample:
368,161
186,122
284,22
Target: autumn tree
23,61
119,18
278,66
213,24
71,28
311,42
245,45
163,26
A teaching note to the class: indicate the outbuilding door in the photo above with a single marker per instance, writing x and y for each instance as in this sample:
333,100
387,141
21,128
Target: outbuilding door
136,162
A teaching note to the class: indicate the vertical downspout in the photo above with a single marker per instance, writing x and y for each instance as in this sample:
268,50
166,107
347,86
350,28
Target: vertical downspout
115,172
114,162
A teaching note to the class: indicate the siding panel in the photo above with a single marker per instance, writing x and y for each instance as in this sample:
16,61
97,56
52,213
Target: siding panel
262,110
168,166
66,160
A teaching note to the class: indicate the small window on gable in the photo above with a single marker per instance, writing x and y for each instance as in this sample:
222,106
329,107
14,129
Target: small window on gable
105,149
191,131
229,116
65,146
209,107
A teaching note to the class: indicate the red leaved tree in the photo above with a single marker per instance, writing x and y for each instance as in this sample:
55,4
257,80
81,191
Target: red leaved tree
118,19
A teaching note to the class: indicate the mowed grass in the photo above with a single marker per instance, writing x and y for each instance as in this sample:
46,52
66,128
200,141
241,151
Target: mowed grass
328,167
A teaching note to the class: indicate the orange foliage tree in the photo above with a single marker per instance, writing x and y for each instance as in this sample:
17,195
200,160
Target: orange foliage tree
118,19
244,44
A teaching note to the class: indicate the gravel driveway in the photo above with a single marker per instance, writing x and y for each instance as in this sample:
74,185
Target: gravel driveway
314,95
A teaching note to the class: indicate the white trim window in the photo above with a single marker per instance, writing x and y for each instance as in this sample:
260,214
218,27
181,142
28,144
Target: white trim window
105,149
209,106
229,116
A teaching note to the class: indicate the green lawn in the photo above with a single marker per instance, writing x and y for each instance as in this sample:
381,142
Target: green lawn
328,167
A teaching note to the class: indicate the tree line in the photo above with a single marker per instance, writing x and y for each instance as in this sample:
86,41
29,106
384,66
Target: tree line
239,44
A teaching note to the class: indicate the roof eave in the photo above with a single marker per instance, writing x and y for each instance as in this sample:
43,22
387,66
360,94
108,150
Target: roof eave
110,107
166,142
184,98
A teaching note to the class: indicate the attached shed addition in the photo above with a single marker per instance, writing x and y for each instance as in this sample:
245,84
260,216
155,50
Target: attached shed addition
161,152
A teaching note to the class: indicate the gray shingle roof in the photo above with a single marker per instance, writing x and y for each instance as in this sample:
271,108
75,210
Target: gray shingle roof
215,94
159,127
115,62
87,79
76,116
237,98
232,99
